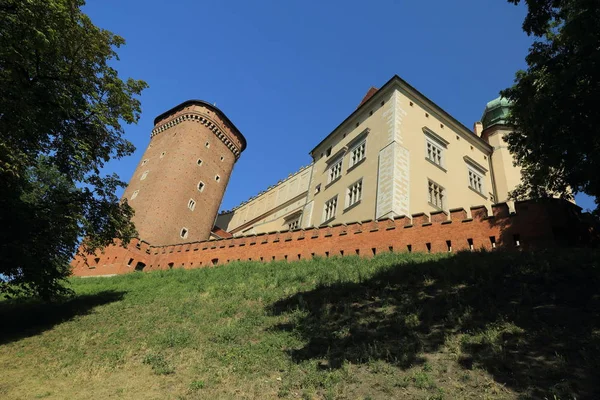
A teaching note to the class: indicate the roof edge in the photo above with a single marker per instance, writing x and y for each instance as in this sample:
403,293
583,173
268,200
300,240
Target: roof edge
402,83
208,105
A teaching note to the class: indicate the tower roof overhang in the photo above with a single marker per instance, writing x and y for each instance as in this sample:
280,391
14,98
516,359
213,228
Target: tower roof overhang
206,104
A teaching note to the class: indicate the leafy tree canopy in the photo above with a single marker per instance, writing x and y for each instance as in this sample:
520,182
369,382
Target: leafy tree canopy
556,139
62,106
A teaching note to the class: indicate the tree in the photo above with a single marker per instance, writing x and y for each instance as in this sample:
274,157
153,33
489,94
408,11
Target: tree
62,106
556,138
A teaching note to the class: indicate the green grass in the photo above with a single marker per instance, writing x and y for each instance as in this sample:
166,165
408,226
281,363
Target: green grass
404,326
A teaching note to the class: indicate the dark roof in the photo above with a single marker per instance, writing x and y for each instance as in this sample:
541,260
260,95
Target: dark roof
208,105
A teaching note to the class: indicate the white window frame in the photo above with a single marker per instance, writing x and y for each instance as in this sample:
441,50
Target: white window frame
134,194
294,223
183,233
438,201
334,172
357,154
217,178
330,208
144,175
436,142
477,175
354,193
437,150
192,204
201,189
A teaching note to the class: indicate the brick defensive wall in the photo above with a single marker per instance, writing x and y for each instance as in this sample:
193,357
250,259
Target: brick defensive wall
534,224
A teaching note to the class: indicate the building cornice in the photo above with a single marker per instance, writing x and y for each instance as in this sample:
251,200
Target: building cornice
197,117
397,82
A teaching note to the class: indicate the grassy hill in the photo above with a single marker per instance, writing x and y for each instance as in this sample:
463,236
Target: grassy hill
469,325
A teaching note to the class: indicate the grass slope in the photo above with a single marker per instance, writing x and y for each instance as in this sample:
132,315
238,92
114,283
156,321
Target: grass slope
471,325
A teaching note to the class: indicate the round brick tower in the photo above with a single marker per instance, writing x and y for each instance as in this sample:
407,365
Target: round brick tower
177,188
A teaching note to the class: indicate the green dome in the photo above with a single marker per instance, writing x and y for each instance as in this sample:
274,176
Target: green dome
496,112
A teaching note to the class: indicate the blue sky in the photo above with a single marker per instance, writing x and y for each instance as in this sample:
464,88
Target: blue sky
288,72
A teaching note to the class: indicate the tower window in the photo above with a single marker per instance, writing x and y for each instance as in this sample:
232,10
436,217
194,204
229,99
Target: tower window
145,162
191,204
199,162
163,154
134,195
207,144
222,158
144,175
217,178
201,186
183,233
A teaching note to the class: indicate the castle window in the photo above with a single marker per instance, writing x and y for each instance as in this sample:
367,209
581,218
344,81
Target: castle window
222,158
435,146
201,186
436,195
329,209
184,233
335,171
145,162
134,195
217,178
294,224
318,188
475,180
144,175
354,193
191,204
199,162
433,152
163,154
207,144
357,154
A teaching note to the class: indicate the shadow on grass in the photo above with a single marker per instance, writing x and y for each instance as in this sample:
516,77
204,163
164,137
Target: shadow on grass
21,319
529,319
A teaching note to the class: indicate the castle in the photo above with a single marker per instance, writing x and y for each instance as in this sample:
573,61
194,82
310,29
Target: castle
397,161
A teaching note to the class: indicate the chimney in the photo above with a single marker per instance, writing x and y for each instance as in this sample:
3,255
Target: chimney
478,128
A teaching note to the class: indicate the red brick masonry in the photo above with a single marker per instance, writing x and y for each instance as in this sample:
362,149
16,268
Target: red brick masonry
535,224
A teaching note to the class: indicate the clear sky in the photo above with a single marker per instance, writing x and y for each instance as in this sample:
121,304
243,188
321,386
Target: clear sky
288,72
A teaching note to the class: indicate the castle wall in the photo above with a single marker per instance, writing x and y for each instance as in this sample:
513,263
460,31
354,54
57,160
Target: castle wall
534,225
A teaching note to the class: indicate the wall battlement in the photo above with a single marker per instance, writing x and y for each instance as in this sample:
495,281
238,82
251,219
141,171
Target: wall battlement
535,224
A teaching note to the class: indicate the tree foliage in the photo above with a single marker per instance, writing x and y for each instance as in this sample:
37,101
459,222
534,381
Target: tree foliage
62,106
556,139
